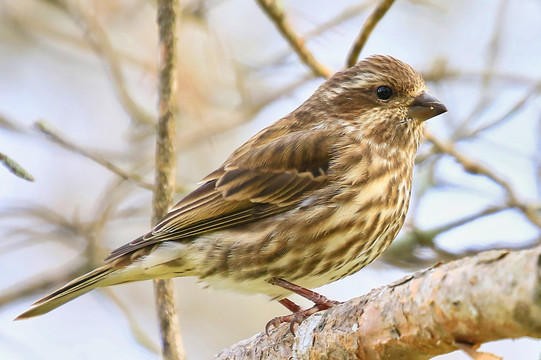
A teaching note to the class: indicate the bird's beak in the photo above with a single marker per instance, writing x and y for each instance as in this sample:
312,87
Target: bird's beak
425,106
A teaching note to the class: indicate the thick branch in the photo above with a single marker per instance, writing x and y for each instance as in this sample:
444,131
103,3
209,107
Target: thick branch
165,169
493,295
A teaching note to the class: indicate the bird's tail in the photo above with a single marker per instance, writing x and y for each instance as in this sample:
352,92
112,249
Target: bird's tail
70,291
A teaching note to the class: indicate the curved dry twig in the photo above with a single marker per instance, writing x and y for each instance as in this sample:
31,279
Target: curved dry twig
56,137
366,30
477,168
297,43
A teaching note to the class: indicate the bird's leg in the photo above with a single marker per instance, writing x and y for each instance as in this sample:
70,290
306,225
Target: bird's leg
313,296
290,305
320,303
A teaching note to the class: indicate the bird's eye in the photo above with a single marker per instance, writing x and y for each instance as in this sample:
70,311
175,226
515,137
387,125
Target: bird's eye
384,92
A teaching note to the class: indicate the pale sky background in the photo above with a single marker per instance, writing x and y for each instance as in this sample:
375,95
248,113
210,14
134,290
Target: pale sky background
46,78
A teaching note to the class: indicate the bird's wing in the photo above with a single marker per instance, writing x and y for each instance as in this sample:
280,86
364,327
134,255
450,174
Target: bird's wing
253,184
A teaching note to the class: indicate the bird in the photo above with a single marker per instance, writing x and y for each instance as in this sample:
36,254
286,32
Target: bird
310,199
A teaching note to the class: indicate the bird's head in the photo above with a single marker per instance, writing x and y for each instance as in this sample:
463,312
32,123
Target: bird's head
380,98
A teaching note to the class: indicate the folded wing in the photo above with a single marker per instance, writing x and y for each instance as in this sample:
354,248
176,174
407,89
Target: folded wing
252,184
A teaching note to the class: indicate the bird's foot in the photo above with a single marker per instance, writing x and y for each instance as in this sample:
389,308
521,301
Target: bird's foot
297,317
298,314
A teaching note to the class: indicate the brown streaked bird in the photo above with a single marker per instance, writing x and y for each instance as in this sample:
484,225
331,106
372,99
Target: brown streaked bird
312,198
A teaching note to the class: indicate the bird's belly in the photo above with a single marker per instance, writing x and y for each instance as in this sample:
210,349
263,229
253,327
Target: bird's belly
340,254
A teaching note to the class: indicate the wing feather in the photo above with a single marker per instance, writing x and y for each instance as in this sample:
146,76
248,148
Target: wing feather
252,184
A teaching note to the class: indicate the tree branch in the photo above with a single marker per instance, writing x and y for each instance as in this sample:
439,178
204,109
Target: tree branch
15,168
366,30
61,140
100,42
165,168
493,295
476,168
275,12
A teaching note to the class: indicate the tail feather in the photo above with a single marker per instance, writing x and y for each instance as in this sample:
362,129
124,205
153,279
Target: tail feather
68,292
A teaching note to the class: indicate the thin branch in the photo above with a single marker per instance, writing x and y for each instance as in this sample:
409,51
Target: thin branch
101,44
61,140
57,33
345,15
138,332
200,135
15,168
366,30
37,286
274,10
167,14
519,105
476,168
491,58
537,158
428,313
402,252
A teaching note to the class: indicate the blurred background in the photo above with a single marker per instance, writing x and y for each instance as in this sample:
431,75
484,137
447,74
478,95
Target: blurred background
77,108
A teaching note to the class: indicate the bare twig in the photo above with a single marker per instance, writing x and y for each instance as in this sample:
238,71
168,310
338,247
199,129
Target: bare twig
275,12
366,30
52,31
61,140
519,105
345,15
477,168
200,135
165,168
15,168
402,252
32,288
488,75
420,316
138,332
101,44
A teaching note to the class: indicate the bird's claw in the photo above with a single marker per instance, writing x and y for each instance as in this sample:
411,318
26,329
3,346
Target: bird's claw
295,318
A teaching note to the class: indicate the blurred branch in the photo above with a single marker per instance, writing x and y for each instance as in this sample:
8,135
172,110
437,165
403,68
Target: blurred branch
52,31
274,10
537,158
167,14
345,15
56,137
519,105
43,283
488,75
453,302
64,228
402,252
9,125
15,168
476,168
138,332
189,139
441,71
101,44
366,30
